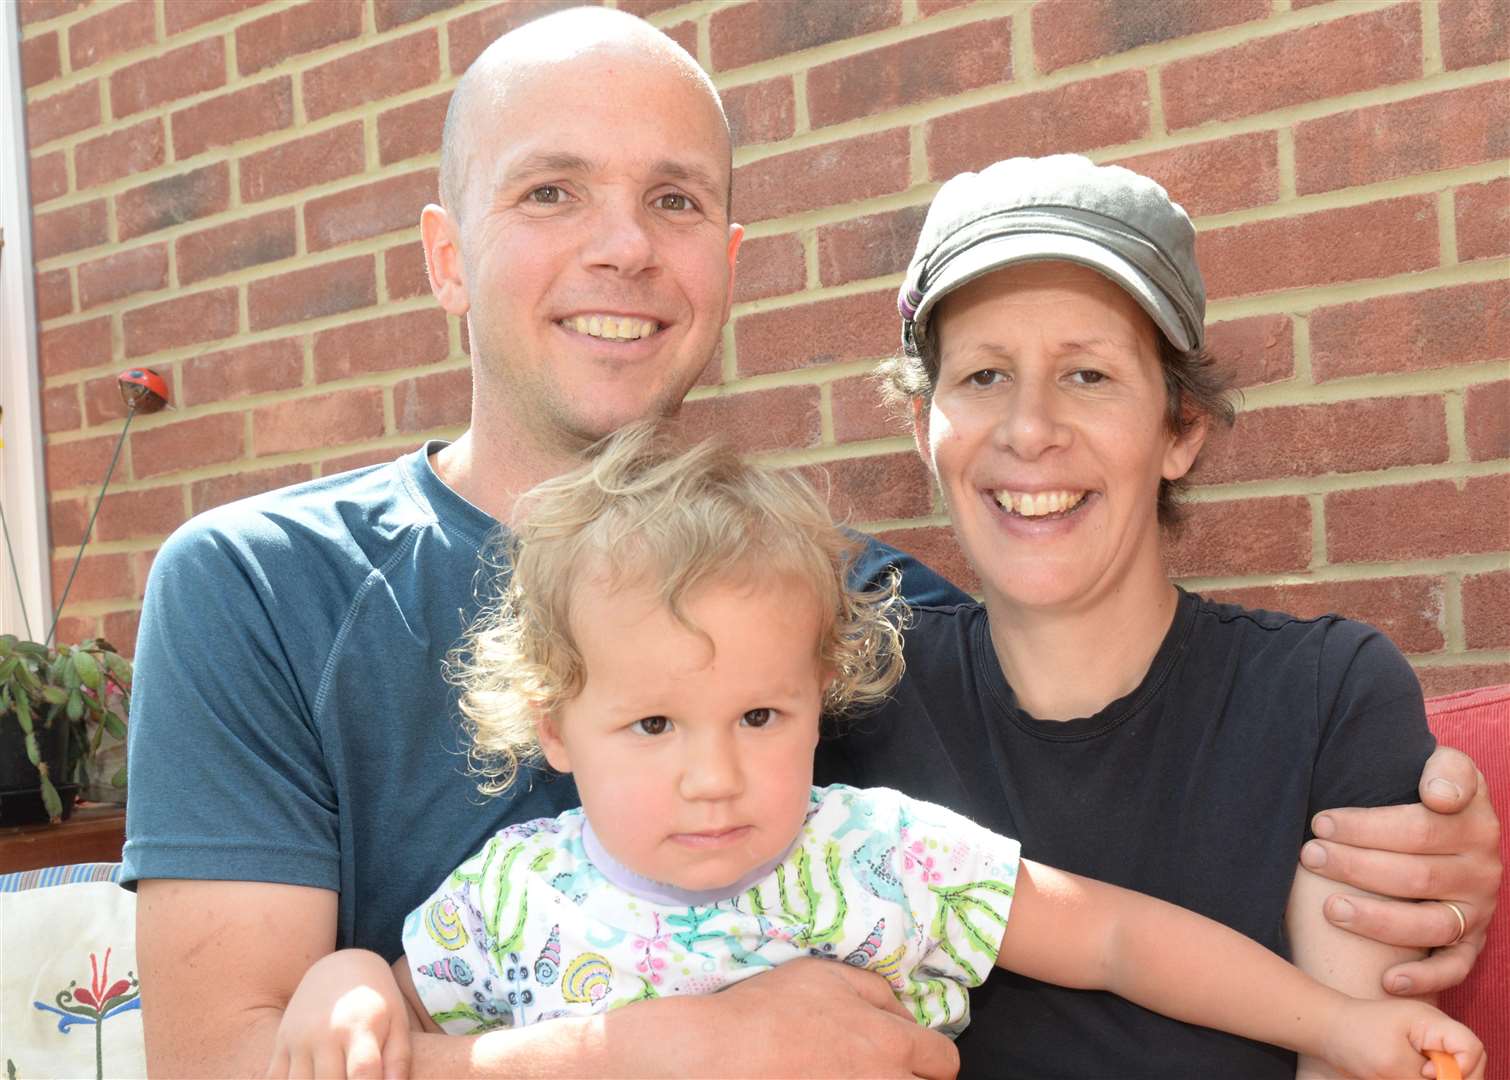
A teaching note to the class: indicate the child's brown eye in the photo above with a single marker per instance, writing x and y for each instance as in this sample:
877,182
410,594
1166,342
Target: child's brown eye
757,717
652,725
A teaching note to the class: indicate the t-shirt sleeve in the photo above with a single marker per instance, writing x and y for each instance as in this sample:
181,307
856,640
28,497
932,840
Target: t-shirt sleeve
443,945
959,879
1373,741
920,585
226,773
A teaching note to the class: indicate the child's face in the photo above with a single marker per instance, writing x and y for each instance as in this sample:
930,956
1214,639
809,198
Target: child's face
694,755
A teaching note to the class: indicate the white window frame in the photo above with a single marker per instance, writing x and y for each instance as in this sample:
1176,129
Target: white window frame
23,490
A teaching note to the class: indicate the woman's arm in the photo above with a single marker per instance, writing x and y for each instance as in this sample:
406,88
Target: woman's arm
1086,934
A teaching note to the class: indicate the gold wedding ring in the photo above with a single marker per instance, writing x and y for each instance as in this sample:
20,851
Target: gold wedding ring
1462,922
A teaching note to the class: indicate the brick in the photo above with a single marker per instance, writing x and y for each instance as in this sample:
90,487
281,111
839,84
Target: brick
1408,610
761,112
1253,351
410,340
243,483
1365,525
99,577
134,515
60,409
77,628
62,231
380,71
181,15
1321,248
685,35
231,118
752,32
1312,440
115,30
125,273
1079,116
1243,536
442,399
66,520
1458,324
404,271
646,8
102,400
62,114
937,548
471,32
334,419
178,73
301,163
769,266
390,13
234,246
781,418
78,464
878,488
47,176
1072,31
1343,56
1487,411
860,413
242,372
359,459
370,210
413,129
919,69
294,31
120,630
1474,32
847,328
1438,679
121,153
1403,138
1216,177
1482,215
328,289
54,293
875,245
184,320
859,168
71,348
173,200
187,444
1486,610
41,60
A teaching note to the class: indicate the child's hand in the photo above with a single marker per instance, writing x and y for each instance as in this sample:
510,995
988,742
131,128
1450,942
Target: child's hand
346,1019
1390,1038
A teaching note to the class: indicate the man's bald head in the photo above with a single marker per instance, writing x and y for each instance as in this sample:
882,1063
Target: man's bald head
533,49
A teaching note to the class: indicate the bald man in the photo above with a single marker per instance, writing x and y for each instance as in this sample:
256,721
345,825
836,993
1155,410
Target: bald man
298,775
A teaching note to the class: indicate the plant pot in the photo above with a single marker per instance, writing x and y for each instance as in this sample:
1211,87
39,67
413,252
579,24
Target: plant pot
20,787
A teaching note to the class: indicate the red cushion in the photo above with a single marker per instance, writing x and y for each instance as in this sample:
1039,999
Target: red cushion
1478,723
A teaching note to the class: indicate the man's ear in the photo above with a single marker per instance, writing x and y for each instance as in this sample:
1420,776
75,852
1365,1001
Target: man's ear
920,431
547,729
736,236
440,233
1184,448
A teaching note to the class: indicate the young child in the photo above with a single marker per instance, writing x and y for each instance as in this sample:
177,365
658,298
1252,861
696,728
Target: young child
673,630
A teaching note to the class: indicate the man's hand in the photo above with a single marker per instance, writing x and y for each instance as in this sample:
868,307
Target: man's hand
1445,848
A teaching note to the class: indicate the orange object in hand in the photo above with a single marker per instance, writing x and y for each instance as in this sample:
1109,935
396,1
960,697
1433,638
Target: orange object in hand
1447,1065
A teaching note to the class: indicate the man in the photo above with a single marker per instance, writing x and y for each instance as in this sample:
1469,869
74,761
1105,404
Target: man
298,776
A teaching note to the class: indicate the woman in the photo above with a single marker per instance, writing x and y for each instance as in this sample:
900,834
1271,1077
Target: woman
1053,366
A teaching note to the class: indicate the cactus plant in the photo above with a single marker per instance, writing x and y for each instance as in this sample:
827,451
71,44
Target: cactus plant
85,687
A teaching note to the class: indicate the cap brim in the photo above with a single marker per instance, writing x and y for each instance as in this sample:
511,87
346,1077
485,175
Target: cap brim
999,252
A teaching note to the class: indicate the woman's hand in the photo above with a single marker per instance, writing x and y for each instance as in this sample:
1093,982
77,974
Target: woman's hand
1390,1038
347,1019
1445,848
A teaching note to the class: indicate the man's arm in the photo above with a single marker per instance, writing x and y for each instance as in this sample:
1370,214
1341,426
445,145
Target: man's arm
1445,848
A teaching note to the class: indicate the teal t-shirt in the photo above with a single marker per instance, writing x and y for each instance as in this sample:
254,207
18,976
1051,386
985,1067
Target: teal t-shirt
289,720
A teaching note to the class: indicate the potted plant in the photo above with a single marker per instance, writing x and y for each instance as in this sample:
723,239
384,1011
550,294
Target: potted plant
61,710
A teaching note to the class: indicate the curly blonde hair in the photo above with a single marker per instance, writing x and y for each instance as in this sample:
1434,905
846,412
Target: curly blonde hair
644,512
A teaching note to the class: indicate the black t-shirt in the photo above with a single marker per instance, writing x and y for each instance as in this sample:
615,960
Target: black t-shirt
1197,787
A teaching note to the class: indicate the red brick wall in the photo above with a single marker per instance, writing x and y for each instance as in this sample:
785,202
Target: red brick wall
227,190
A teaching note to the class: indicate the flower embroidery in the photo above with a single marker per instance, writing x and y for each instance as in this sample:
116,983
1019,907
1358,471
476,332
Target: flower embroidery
96,1004
649,964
